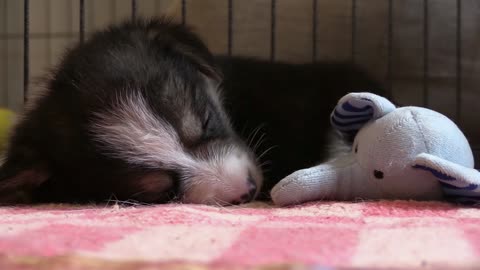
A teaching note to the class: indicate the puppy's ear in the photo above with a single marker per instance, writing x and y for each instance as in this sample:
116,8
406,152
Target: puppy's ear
18,178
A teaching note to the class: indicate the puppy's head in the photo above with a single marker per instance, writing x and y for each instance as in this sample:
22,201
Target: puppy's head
145,97
170,117
185,134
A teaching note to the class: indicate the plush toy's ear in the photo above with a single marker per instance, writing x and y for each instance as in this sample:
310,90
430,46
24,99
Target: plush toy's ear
458,182
356,109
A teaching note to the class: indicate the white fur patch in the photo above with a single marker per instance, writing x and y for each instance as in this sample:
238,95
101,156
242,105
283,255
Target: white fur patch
130,131
223,178
133,133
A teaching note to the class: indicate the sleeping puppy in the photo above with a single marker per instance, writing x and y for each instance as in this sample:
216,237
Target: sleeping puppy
136,113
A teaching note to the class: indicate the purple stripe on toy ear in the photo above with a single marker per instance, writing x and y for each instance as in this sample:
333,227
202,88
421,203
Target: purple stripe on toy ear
350,108
346,124
469,187
436,173
463,199
463,196
349,132
347,128
343,116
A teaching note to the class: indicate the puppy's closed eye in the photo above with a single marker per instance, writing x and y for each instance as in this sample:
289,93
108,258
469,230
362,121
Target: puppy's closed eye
206,122
210,128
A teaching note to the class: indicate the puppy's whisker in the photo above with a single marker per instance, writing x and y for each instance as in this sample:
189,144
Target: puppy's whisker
138,194
266,151
220,204
260,141
265,163
129,202
251,138
111,198
225,204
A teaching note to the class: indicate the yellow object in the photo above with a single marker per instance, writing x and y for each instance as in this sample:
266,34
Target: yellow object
7,118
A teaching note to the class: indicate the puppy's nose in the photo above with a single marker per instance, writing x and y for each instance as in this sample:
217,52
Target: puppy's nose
252,188
250,194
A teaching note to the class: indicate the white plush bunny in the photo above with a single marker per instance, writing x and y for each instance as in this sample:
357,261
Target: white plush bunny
397,153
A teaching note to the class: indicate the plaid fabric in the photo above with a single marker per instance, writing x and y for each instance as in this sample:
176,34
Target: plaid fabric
383,234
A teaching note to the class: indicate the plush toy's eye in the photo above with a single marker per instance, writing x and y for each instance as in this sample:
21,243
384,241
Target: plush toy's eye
356,148
378,174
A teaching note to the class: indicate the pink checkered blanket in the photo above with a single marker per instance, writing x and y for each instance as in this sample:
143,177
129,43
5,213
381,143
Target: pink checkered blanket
398,234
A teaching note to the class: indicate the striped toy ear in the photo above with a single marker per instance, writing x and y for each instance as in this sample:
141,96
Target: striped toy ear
354,110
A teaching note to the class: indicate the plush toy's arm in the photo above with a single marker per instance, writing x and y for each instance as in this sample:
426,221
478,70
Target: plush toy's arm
458,182
310,184
330,180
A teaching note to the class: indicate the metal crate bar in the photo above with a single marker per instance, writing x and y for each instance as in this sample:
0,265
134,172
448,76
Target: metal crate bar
49,31
314,30
390,50
273,15
426,67
354,30
134,9
5,52
26,47
458,107
230,27
82,21
273,24
184,11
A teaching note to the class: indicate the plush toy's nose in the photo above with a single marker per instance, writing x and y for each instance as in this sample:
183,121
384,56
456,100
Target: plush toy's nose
378,174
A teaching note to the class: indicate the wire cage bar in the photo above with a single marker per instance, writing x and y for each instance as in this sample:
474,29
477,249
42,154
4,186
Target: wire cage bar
458,75
426,36
315,45
26,47
184,11
314,29
134,9
82,20
389,84
273,24
230,27
353,45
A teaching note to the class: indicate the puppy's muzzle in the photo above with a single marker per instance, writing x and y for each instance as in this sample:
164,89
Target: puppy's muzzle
250,194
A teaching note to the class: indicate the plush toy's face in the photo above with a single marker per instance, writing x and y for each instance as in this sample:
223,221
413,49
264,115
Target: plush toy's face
388,145
385,150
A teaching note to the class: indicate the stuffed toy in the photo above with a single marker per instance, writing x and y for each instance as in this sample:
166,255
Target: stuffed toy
397,153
